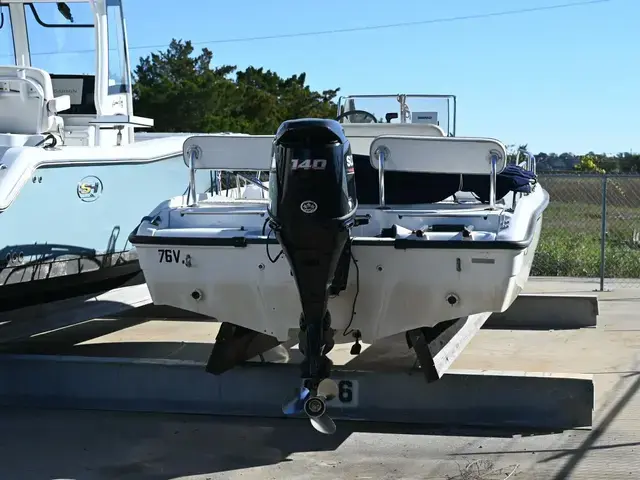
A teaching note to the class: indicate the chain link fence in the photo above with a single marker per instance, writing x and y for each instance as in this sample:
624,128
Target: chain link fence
591,228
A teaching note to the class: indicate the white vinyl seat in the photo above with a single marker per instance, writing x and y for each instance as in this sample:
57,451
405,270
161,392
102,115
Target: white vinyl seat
27,102
361,135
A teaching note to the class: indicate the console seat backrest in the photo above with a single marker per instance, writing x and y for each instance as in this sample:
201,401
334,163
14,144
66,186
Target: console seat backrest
27,102
419,170
361,135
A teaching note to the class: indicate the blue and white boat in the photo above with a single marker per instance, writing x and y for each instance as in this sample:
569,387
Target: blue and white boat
74,178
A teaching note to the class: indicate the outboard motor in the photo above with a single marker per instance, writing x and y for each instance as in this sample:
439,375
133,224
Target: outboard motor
312,209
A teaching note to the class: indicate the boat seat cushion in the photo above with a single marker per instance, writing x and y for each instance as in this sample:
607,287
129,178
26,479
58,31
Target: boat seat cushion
406,188
27,101
361,135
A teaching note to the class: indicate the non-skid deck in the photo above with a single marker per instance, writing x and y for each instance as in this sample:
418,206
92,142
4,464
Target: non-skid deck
104,354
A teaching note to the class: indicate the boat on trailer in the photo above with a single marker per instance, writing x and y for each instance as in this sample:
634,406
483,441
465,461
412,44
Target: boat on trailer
74,179
370,229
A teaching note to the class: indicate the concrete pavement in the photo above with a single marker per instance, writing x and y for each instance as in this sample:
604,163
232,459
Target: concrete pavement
102,445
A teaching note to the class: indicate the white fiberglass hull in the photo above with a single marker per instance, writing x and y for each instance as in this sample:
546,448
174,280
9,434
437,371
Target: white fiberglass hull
397,289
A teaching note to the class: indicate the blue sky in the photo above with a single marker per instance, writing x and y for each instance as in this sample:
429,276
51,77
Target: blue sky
560,80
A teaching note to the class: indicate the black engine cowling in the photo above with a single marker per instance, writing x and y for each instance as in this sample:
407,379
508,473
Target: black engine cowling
311,209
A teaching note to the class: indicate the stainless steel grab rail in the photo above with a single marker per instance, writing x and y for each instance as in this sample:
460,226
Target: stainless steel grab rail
493,180
194,153
382,153
531,159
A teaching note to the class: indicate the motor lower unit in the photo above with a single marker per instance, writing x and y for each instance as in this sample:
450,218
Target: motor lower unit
312,208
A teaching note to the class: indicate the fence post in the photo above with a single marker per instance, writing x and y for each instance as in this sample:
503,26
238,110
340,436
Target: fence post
603,231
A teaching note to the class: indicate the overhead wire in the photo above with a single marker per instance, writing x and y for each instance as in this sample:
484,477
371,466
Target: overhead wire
397,25
458,18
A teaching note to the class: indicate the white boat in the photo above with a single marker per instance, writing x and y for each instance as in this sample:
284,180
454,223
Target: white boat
74,180
390,227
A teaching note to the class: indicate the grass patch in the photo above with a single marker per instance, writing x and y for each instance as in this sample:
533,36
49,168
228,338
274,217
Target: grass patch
571,235
570,243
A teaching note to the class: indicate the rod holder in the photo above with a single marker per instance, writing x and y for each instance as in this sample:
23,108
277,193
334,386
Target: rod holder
530,159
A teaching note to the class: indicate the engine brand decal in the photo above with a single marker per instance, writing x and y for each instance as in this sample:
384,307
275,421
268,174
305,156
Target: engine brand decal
89,189
349,162
308,206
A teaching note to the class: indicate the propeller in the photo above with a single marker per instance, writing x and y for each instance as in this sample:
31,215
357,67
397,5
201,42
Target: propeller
315,406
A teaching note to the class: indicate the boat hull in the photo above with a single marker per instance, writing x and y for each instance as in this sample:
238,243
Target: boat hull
69,285
241,285
58,243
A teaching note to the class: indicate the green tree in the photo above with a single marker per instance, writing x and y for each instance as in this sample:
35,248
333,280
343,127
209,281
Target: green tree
627,162
590,163
182,92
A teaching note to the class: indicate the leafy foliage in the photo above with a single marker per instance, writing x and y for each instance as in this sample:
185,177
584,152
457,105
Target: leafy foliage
591,162
182,92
